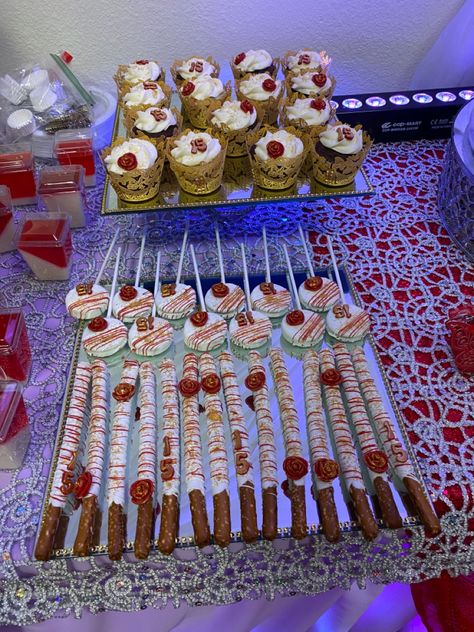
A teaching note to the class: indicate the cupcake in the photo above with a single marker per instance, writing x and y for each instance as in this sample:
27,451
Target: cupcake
306,114
233,120
197,160
192,68
144,95
254,62
201,97
319,83
338,153
134,167
154,123
304,60
264,93
137,72
276,156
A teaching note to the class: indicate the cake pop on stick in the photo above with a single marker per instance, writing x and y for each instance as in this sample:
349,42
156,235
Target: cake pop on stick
176,300
270,298
346,323
316,293
225,299
133,301
249,329
88,300
105,336
300,327
203,331
150,336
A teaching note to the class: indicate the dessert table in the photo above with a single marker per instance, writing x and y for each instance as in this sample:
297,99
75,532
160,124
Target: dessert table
408,275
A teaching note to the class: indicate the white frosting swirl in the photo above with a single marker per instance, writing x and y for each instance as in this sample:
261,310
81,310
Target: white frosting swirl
292,144
142,72
338,137
188,69
145,153
252,87
182,151
232,115
139,95
148,123
304,83
302,109
304,59
255,60
206,87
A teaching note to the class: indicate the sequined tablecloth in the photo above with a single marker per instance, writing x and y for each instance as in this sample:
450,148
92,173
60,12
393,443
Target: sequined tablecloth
408,274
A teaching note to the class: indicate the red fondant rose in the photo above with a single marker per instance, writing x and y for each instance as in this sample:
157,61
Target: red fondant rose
295,467
199,319
294,318
127,161
188,88
246,107
255,380
319,79
376,460
128,292
239,58
318,104
142,62
275,149
83,485
331,377
97,324
269,85
141,491
313,283
326,469
211,383
188,387
220,290
123,392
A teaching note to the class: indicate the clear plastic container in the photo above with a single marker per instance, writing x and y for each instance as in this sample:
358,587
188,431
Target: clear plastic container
61,190
14,427
7,230
44,241
75,147
16,172
15,352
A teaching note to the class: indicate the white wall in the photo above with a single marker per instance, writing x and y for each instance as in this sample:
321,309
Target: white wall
375,44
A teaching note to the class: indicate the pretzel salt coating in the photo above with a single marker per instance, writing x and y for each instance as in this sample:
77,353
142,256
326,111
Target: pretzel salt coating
325,468
142,490
66,467
90,520
240,444
295,466
170,463
266,448
123,394
194,474
346,452
375,459
397,456
218,461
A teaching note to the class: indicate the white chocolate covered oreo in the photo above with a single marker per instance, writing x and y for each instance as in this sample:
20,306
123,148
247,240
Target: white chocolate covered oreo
225,299
271,299
87,301
302,328
250,330
318,294
131,302
150,336
347,323
104,336
175,301
204,331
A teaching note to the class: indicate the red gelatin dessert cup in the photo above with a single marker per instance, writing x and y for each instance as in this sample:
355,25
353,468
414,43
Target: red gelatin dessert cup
14,427
15,352
61,190
16,172
75,147
7,230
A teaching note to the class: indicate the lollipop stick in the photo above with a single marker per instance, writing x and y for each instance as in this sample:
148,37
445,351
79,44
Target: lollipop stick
246,277
219,254
306,251
296,298
181,256
106,258
336,271
157,282
140,261
198,280
268,277
114,281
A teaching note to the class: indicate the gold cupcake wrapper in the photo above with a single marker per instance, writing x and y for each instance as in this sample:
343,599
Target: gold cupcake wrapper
179,62
199,113
137,185
164,103
131,118
292,53
267,110
328,93
301,123
236,139
235,169
124,86
277,173
239,74
200,179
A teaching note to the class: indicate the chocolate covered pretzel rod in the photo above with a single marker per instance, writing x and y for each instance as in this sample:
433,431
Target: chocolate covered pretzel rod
330,379
66,466
294,465
397,456
218,463
98,431
266,446
142,491
325,468
240,444
123,394
170,463
194,475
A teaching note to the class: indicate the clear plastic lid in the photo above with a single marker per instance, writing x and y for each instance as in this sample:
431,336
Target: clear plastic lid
39,230
5,200
65,179
15,157
10,394
12,323
70,141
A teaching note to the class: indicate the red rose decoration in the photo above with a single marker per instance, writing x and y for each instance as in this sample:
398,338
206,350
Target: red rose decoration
376,460
269,85
199,319
98,324
295,467
188,387
255,380
250,402
128,292
295,318
326,470
211,383
331,377
123,392
83,485
141,491
127,161
220,290
319,79
313,283
246,107
239,58
188,88
318,104
275,149
142,62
